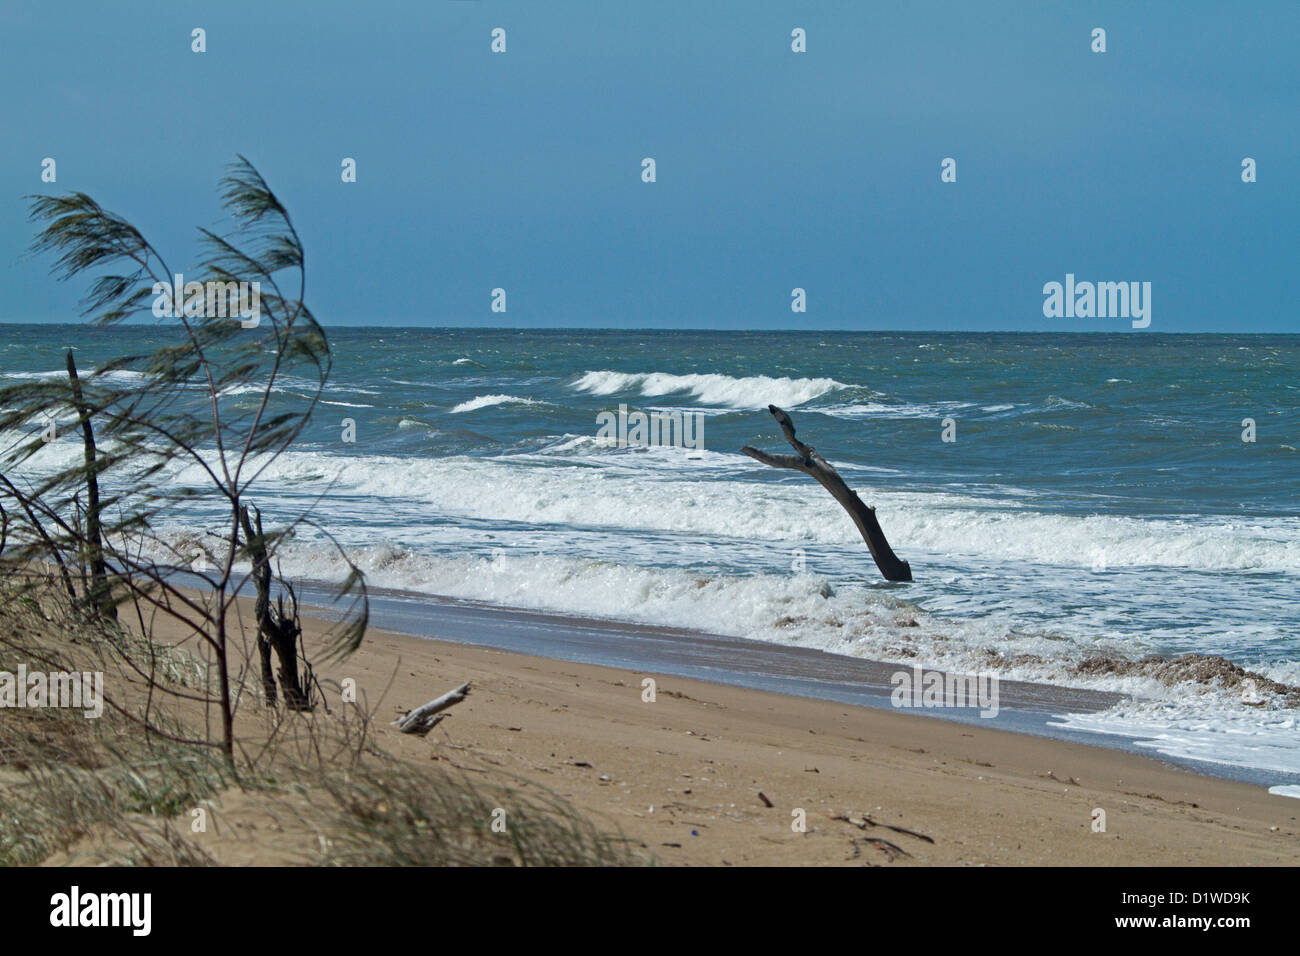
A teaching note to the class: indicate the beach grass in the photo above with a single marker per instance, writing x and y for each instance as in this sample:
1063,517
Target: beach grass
116,790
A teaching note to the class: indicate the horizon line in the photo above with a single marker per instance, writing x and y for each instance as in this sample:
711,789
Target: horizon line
652,328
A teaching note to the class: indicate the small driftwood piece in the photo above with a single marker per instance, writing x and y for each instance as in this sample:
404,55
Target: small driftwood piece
891,850
810,463
866,821
423,719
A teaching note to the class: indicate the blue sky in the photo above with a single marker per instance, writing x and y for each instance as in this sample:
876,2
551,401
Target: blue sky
776,170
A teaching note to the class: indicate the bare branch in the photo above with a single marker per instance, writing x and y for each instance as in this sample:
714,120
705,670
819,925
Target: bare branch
810,463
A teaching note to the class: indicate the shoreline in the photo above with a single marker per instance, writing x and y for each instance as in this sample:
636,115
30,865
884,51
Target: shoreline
1026,708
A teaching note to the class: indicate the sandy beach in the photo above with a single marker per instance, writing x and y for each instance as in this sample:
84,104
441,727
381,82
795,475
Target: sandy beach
709,774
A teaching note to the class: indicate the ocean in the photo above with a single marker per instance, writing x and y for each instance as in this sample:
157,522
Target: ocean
1096,503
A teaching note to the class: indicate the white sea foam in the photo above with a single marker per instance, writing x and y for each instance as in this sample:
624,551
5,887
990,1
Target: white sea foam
1209,726
486,401
234,390
616,495
117,376
785,608
504,489
606,452
882,410
751,391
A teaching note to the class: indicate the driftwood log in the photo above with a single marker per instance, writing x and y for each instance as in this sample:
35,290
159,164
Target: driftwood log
810,463
423,719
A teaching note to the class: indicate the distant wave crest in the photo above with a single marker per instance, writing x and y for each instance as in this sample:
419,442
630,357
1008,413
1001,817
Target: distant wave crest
750,391
486,401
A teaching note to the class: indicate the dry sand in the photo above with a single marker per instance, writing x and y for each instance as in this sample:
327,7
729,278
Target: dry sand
690,774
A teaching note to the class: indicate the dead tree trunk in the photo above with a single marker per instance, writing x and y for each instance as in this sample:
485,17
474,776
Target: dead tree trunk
100,594
276,630
810,463
286,640
262,607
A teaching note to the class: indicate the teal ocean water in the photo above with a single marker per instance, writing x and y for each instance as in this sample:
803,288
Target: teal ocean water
1098,502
